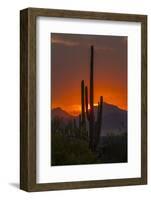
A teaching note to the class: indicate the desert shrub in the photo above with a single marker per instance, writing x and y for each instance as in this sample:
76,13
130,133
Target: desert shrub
114,149
70,151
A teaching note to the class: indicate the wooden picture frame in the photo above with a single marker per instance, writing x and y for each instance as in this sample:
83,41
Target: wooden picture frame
28,99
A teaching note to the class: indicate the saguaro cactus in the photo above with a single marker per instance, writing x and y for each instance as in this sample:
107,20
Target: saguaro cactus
82,104
86,102
91,115
98,125
94,126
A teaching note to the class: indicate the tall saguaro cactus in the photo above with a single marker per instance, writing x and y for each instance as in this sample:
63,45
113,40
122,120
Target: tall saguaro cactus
91,115
94,125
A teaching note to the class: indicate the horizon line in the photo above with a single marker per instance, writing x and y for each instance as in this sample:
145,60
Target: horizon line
77,111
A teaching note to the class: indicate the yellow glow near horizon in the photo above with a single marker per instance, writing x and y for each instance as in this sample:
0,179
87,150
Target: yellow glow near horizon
74,109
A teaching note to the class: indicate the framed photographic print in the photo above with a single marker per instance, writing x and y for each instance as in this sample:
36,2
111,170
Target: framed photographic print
83,99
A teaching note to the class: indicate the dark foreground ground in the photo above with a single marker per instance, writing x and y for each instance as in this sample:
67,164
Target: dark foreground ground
75,151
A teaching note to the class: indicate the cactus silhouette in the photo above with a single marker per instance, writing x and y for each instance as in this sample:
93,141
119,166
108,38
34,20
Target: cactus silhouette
86,102
98,125
91,113
82,104
94,125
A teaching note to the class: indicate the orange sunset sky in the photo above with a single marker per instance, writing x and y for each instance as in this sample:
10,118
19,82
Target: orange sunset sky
70,63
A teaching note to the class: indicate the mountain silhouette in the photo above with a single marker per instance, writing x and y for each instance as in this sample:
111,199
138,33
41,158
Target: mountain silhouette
114,119
60,113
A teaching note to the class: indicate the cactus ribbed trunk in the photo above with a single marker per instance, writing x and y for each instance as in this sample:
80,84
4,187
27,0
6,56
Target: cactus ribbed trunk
99,122
94,125
82,103
100,115
91,115
86,102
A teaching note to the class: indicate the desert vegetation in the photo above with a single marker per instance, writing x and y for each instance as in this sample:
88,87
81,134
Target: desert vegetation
79,140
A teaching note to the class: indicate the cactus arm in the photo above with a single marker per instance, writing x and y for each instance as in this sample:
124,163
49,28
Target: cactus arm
101,109
99,122
82,103
86,102
98,110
